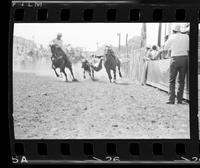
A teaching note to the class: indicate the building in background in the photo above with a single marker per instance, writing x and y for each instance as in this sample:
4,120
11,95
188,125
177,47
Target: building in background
24,52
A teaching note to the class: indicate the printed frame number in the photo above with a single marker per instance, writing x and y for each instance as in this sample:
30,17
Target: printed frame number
19,159
112,159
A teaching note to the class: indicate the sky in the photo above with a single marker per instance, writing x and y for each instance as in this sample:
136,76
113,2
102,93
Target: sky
85,35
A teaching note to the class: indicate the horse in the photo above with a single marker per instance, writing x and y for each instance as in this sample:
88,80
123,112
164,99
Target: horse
110,63
60,60
87,67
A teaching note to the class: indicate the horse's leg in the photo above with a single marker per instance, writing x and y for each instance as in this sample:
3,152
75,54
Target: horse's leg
63,71
109,74
53,67
71,71
84,74
56,72
89,72
114,72
93,74
119,71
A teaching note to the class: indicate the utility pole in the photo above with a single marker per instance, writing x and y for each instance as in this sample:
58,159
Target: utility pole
97,45
119,34
159,34
165,29
143,35
127,44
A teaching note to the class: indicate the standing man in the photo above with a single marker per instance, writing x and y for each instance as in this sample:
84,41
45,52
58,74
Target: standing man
178,44
146,59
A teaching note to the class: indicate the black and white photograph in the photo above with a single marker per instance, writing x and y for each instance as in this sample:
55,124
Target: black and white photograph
101,80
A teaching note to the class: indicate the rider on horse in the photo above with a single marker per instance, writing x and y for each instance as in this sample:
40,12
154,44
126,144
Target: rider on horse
58,41
109,51
59,51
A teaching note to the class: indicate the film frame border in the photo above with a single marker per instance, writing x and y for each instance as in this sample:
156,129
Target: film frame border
188,149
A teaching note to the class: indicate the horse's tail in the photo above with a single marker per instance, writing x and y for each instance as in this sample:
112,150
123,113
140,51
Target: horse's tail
99,67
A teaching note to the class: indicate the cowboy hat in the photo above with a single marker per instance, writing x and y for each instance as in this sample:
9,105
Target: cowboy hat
59,34
176,28
184,29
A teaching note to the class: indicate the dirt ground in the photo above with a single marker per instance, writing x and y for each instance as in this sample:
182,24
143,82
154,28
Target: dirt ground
46,107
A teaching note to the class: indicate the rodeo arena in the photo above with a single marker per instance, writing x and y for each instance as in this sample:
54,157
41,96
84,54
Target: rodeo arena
62,91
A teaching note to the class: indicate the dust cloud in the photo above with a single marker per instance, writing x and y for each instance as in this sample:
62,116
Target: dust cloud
43,67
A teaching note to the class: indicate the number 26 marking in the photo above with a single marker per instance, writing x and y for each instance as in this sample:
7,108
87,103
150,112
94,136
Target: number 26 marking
114,159
195,159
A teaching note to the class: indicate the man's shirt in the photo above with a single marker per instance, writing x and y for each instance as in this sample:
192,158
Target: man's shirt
178,44
58,42
154,54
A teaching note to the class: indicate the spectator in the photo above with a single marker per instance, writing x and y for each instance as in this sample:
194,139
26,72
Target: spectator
166,54
166,37
178,43
146,58
163,54
154,52
147,52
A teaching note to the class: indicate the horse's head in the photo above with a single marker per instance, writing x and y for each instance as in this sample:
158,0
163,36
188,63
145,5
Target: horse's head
53,48
109,54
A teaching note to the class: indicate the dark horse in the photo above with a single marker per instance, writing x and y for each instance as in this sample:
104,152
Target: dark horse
110,63
87,67
60,60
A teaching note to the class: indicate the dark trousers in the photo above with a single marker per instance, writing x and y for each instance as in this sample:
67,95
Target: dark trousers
178,65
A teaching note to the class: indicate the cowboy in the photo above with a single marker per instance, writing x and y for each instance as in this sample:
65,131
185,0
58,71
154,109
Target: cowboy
178,43
60,50
109,51
58,41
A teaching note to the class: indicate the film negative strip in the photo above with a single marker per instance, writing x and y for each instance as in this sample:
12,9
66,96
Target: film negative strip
104,82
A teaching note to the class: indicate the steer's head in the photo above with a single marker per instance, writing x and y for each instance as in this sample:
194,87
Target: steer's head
84,63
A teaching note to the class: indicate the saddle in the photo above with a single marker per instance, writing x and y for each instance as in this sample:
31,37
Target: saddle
58,53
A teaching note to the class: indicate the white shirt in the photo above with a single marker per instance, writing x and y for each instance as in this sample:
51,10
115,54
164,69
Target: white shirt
154,53
178,44
58,42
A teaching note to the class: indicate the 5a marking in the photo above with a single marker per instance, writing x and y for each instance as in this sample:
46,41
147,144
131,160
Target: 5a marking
19,159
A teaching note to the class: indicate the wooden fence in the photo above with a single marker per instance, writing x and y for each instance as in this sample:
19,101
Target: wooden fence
157,71
133,67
